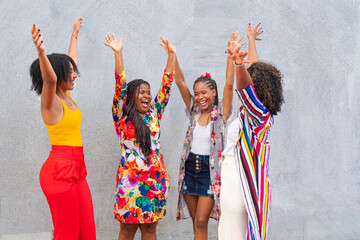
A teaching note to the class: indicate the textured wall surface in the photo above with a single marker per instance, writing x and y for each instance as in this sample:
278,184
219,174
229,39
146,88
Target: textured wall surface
315,157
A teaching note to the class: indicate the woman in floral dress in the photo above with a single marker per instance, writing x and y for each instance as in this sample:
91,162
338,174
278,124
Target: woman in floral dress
199,181
142,180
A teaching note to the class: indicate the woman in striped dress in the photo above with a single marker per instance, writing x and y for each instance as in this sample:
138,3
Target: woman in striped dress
245,190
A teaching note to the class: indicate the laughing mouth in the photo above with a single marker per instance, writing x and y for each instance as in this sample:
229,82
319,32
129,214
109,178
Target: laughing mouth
145,104
202,103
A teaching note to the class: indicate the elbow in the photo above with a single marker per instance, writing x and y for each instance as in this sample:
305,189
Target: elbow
239,86
50,81
180,82
229,86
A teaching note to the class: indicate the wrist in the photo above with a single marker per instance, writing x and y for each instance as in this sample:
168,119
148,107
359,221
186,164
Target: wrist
118,52
238,65
252,40
40,52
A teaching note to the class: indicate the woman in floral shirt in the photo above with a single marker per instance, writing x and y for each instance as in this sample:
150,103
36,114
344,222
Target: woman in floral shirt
199,181
142,180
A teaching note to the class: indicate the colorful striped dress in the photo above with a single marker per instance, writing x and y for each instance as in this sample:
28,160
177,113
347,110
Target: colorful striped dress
252,155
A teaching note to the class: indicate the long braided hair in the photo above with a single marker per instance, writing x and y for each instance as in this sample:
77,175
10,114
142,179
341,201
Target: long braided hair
210,83
142,132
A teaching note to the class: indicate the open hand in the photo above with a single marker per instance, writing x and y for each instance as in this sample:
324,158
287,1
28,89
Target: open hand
77,26
232,42
235,54
253,34
37,39
113,42
168,47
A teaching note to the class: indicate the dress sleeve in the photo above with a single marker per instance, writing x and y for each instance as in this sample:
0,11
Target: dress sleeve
163,95
256,110
119,100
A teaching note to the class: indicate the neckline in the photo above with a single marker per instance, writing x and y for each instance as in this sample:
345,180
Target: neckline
197,123
67,105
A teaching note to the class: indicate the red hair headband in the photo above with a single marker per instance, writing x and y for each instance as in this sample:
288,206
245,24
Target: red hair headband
206,75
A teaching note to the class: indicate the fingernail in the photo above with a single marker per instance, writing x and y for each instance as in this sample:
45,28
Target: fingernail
33,24
39,29
249,24
39,35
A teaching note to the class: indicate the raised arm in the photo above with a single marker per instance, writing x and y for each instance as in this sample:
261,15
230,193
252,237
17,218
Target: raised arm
73,49
119,99
252,35
243,78
48,94
179,79
256,110
161,99
229,84
117,47
181,84
171,51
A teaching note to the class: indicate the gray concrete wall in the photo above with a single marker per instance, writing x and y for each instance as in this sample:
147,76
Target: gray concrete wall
315,159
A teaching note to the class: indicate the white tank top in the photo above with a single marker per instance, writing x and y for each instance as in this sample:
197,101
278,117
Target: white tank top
232,137
201,140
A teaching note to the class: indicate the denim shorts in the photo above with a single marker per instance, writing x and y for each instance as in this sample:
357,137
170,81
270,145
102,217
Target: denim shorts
197,176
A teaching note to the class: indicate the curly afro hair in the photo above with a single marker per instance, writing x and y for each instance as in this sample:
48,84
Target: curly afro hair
267,81
61,65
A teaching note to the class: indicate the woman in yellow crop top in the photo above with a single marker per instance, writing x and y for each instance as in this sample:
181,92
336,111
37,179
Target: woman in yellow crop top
63,175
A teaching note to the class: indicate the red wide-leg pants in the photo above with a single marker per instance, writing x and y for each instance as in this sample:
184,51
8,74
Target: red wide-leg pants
63,181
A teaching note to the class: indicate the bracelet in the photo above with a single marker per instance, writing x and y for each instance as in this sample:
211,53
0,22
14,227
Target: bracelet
74,36
238,65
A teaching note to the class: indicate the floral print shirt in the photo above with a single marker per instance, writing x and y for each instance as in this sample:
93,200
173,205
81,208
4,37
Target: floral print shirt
141,184
217,145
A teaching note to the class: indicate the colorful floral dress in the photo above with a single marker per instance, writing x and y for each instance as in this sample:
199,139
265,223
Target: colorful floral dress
142,185
252,155
217,145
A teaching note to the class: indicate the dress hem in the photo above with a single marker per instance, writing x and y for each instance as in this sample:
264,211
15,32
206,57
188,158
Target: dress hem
139,222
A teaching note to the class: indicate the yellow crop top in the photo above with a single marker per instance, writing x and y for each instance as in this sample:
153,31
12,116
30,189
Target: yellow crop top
67,131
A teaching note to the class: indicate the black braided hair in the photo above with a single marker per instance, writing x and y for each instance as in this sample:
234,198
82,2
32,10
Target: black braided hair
211,84
61,65
141,130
